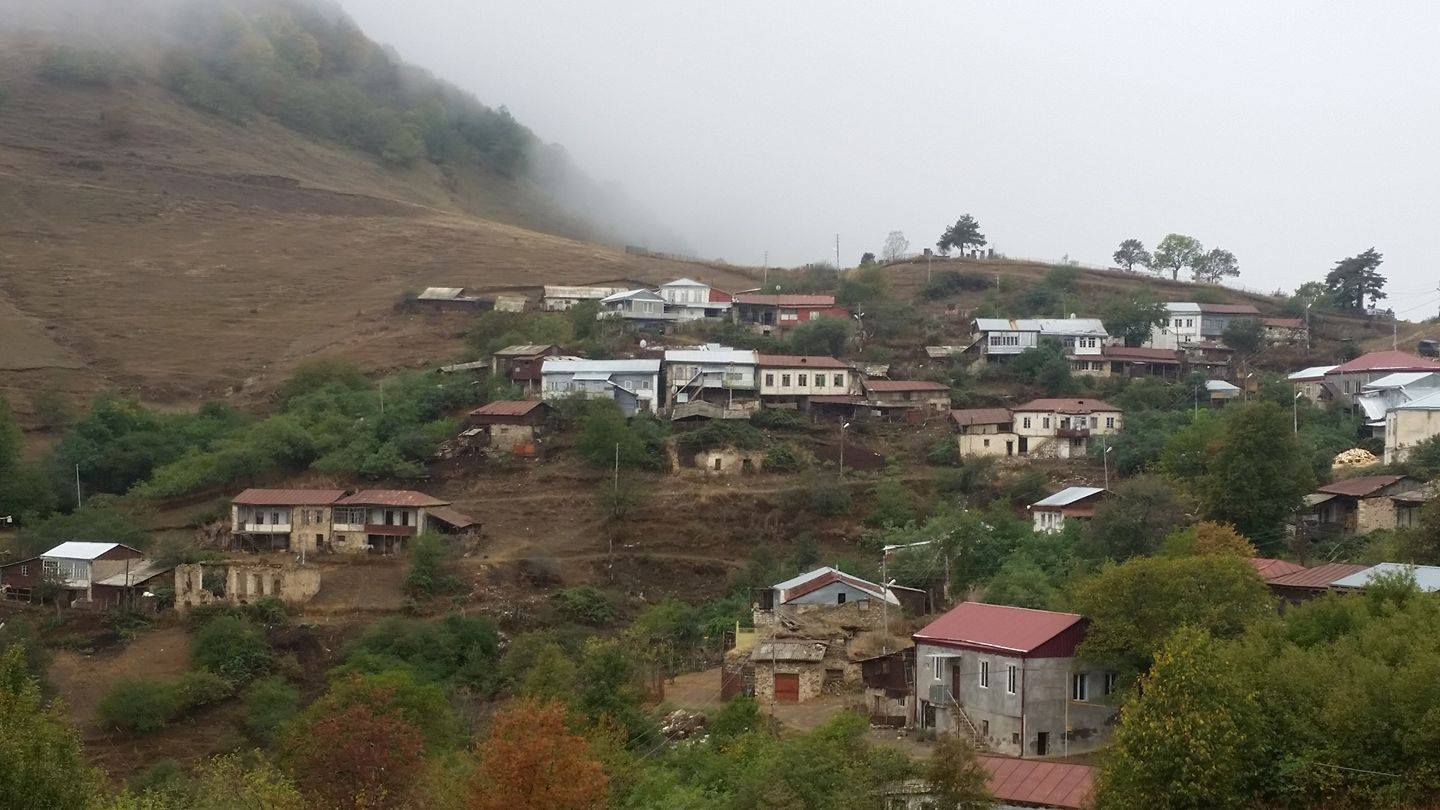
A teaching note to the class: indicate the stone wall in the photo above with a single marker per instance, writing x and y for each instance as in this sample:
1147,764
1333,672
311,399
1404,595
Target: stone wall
1372,514
812,679
291,584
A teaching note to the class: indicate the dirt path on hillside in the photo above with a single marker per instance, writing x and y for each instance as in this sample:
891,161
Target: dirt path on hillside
82,680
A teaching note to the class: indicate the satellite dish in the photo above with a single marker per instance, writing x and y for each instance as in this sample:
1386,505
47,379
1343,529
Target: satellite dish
642,343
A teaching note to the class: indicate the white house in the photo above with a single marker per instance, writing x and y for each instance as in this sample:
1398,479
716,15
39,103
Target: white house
641,307
714,375
1003,338
692,300
633,384
1059,427
558,298
1070,503
79,566
1188,323
792,377
1378,398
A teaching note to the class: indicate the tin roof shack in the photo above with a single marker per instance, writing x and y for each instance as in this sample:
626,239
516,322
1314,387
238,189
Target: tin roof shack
451,298
556,298
772,314
633,384
1219,392
1359,505
984,432
1070,503
1310,383
640,307
510,426
133,587
1062,428
1308,583
1014,783
382,521
791,380
1284,331
520,364
889,680
79,566
1008,678
711,381
1377,399
297,520
920,396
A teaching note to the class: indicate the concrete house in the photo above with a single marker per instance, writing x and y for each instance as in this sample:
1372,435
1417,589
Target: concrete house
555,298
1008,678
1284,331
640,307
1347,381
1359,505
790,379
1055,427
985,432
510,425
1070,503
1378,398
1310,383
772,314
633,384
520,365
283,519
692,300
907,395
711,381
1000,339
1189,323
1408,424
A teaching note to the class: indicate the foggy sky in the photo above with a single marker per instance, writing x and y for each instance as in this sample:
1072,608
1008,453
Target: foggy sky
1292,134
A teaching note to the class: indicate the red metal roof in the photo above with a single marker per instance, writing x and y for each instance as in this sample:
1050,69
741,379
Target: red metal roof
800,361
999,627
508,407
1389,360
1138,353
1360,487
905,385
1061,405
786,300
1034,782
1271,569
719,296
391,497
1318,577
981,416
288,497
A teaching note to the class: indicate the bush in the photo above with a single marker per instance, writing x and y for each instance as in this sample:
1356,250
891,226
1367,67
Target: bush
231,647
430,568
944,452
586,605
778,419
66,65
200,687
892,504
267,611
139,705
270,703
949,282
455,649
722,433
783,458
828,497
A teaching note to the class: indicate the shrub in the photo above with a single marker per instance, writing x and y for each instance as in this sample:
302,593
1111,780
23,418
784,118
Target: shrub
949,282
458,649
270,703
231,647
267,611
722,433
892,504
66,65
944,452
783,458
430,569
139,705
828,497
200,687
586,605
778,419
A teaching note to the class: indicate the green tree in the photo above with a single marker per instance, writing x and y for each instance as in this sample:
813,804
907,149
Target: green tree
1258,475
1191,737
604,432
1046,367
432,568
138,705
270,703
231,647
1215,266
1131,319
963,234
957,779
1135,606
1177,252
1136,517
1354,279
40,754
97,522
822,336
1132,252
1244,335
891,504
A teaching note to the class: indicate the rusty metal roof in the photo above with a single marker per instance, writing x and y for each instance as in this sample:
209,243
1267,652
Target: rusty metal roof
1229,309
786,300
1271,569
1138,353
288,497
905,385
453,518
1064,405
1318,577
508,407
391,497
525,350
1000,627
981,416
800,361
1034,783
1360,487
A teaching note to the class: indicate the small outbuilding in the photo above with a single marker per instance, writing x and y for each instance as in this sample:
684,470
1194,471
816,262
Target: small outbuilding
1070,503
510,425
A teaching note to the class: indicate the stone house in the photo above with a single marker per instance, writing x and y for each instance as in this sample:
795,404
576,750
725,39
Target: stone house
1070,503
1061,427
1360,505
1284,331
919,395
510,426
1131,361
383,521
284,519
791,380
378,521
1008,678
984,432
633,384
291,584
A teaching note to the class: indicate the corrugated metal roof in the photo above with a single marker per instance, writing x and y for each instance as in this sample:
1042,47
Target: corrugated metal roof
793,650
645,295
575,365
560,291
1360,487
905,385
1069,495
1427,577
1183,307
998,626
1221,387
525,350
1321,576
684,282
800,361
719,355
1030,782
83,550
1006,325
1063,405
819,578
288,497
140,570
441,293
1311,373
391,497
1389,360
1271,569
1072,326
1141,353
508,407
981,416
451,517
1429,402
786,300
1229,309
1400,379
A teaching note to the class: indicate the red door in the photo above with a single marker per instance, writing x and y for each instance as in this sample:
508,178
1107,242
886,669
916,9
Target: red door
787,687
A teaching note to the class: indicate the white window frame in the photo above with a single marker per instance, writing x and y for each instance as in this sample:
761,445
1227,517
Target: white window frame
1080,687
984,674
1109,682
939,674
1012,679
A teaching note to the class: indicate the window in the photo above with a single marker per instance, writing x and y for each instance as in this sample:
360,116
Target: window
1080,686
1094,421
800,379
784,380
840,380
1012,678
24,570
769,380
274,517
939,672
1109,421
840,598
984,674
1109,682
985,728
1025,422
1045,423
986,441
259,518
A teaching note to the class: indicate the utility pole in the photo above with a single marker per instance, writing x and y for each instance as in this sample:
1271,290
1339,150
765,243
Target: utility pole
766,280
1295,411
1105,459
843,425
837,251
614,505
77,486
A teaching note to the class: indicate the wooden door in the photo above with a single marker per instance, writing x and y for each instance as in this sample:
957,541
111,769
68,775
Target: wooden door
787,687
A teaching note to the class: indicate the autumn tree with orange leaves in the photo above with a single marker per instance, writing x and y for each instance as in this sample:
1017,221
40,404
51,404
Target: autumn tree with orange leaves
356,758
531,761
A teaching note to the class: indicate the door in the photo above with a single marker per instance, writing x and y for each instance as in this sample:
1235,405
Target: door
1024,445
1042,743
955,680
787,687
1009,448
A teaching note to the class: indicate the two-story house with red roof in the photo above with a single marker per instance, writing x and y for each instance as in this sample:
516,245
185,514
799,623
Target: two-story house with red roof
772,314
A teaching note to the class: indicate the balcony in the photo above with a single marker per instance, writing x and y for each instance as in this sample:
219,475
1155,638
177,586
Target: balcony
389,531
264,528
1072,433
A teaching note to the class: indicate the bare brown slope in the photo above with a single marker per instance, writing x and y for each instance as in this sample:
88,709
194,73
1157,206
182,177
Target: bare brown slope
191,255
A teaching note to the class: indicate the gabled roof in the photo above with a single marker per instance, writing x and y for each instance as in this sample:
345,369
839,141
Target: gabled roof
797,649
1143,354
981,416
905,385
576,365
1229,309
1220,387
453,518
1401,379
1063,405
1311,373
800,361
441,294
1389,360
1007,325
631,295
1045,326
812,581
1427,577
1318,577
1068,496
716,355
508,407
1000,627
785,300
1271,569
684,282
1361,487
80,550
390,497
525,350
140,570
288,497
1429,402
1034,783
